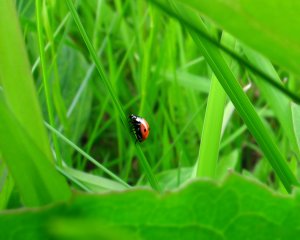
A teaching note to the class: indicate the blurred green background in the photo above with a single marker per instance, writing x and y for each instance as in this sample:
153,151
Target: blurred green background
71,72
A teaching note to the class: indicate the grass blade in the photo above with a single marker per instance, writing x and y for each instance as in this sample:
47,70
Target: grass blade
45,78
164,6
238,97
41,184
23,140
16,79
279,103
142,158
94,161
210,139
276,37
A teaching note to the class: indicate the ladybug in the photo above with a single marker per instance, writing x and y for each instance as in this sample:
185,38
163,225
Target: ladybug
140,127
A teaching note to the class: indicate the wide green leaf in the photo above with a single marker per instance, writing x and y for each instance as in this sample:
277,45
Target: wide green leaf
239,208
275,25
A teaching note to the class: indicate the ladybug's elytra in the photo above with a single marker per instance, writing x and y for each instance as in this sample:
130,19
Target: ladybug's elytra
140,127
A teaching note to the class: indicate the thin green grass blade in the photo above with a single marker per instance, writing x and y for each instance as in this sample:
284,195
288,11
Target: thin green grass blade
73,179
94,161
58,102
48,45
143,161
96,60
279,103
95,183
238,97
45,78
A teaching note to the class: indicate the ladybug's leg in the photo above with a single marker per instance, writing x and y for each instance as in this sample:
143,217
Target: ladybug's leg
135,128
137,131
139,136
132,130
138,140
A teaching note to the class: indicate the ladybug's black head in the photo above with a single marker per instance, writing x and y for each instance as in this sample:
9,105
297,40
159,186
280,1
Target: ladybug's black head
131,116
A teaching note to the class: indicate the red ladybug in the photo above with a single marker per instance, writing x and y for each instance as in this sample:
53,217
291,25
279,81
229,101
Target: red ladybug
140,127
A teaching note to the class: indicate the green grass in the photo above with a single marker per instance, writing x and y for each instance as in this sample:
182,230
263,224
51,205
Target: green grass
71,72
23,142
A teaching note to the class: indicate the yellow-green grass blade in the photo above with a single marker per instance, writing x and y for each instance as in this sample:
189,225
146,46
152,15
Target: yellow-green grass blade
36,178
237,96
213,121
16,79
210,139
23,139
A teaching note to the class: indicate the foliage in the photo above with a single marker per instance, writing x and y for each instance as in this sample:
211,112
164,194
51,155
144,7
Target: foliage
227,211
198,71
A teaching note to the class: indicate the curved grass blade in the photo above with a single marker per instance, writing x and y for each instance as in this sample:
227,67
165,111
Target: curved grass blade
236,94
251,67
145,165
92,160
280,104
275,25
